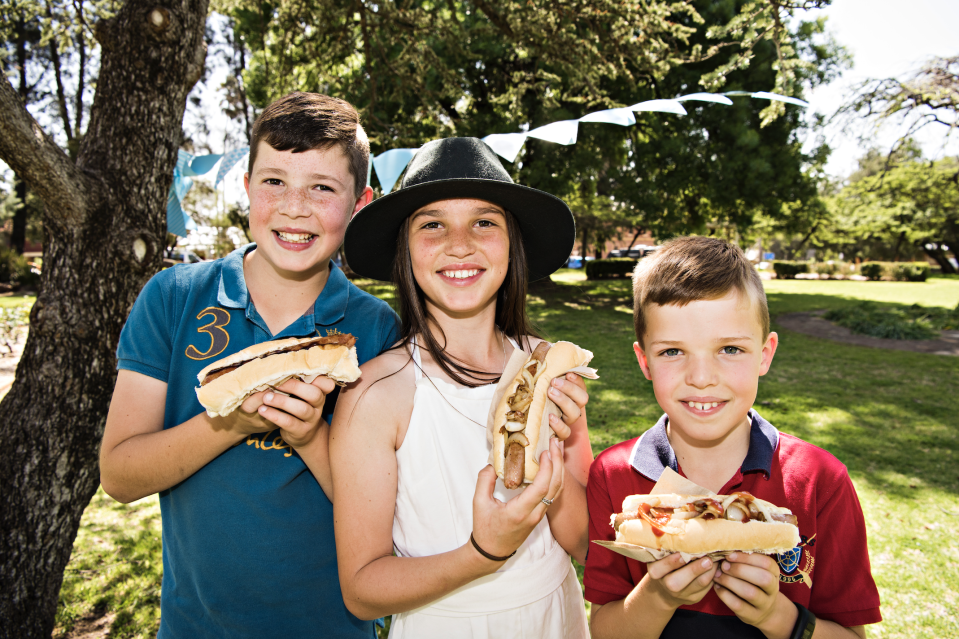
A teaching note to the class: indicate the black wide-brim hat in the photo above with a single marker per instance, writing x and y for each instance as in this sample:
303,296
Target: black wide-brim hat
459,168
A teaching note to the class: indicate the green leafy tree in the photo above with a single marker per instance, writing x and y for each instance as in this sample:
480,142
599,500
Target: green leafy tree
912,206
423,70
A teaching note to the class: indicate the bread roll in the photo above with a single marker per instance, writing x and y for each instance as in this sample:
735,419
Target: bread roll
263,370
561,358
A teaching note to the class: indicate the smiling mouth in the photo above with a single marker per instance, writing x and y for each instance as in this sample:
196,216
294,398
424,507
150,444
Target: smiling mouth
295,238
460,275
703,407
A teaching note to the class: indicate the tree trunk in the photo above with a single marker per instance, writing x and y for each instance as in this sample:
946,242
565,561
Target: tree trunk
18,235
940,257
105,224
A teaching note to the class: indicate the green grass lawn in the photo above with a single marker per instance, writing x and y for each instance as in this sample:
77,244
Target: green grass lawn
17,299
892,417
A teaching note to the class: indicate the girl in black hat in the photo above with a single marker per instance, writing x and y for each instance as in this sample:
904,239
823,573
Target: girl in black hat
419,535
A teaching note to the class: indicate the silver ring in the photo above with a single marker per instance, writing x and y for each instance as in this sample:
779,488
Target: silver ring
548,502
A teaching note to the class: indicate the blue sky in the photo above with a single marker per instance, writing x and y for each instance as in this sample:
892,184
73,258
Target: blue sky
888,38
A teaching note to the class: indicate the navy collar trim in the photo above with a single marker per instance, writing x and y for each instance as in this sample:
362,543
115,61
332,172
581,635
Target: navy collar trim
652,453
328,309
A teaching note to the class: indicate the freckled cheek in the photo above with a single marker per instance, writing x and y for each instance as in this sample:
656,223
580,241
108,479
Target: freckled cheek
423,252
497,252
262,205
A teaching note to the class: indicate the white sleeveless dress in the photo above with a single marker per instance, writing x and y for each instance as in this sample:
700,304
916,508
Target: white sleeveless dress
534,594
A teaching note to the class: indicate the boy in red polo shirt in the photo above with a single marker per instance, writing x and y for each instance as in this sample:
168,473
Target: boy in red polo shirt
703,339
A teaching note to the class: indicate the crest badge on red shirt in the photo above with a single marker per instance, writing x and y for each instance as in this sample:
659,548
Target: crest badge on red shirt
790,570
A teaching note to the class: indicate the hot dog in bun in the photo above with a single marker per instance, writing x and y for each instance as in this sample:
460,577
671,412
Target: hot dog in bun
518,419
703,525
225,383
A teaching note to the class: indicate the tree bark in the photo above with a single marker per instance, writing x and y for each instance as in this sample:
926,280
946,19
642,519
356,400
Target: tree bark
18,235
940,257
105,223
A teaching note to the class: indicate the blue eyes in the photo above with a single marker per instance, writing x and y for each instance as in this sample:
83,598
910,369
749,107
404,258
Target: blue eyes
725,350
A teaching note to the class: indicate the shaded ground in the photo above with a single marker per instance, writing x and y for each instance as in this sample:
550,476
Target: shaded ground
813,324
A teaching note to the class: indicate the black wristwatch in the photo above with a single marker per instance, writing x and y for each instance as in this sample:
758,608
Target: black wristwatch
805,624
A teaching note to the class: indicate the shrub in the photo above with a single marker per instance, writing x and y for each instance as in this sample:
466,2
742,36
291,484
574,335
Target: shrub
13,320
910,272
16,270
826,270
872,270
900,271
789,270
614,267
891,322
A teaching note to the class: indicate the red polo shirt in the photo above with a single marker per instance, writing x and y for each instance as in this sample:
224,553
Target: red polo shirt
828,572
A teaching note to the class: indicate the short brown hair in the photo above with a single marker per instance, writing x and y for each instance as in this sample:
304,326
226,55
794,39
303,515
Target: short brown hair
301,122
689,269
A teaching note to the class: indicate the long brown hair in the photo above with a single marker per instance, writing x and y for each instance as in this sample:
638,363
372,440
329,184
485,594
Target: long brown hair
511,315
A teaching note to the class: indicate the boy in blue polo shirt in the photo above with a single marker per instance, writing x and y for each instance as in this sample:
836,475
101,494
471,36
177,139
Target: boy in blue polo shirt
247,527
703,339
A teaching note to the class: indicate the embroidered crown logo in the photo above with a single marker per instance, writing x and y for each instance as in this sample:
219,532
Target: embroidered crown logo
332,331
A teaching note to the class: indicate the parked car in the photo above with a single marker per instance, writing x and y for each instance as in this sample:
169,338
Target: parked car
180,256
577,261
636,252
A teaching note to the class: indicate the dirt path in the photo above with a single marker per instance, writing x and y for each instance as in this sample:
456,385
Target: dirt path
813,324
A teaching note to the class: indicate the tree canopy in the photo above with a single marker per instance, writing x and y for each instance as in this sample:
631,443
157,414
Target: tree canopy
423,70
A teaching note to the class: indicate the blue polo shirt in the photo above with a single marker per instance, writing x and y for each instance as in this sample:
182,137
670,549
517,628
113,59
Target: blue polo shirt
248,546
828,572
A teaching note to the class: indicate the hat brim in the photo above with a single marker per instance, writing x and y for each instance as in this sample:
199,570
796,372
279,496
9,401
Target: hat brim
545,221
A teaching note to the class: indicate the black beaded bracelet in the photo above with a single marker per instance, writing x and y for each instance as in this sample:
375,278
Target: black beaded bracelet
486,554
805,624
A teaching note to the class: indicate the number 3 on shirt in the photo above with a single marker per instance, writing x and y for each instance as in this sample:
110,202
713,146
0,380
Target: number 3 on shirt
219,338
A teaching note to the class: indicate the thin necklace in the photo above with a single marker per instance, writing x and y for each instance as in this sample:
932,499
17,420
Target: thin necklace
502,339
441,394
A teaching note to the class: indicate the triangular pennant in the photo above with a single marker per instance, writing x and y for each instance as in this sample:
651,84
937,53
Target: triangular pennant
203,163
622,117
390,165
229,161
175,222
506,145
706,97
660,106
562,132
764,95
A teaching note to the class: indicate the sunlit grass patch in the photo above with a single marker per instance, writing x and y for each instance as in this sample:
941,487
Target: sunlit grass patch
891,417
18,299
116,567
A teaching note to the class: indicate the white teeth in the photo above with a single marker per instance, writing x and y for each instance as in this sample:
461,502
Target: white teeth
461,275
295,238
704,405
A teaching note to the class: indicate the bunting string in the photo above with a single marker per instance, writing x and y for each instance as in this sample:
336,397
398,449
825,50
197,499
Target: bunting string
389,165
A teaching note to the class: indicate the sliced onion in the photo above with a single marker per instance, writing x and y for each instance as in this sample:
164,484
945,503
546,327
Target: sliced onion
517,438
521,400
736,513
528,379
514,427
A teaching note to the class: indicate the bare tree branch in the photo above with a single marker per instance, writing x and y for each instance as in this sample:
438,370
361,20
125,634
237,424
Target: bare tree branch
39,162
